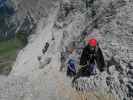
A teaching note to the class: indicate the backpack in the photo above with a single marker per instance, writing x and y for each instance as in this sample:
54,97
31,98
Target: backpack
92,61
93,53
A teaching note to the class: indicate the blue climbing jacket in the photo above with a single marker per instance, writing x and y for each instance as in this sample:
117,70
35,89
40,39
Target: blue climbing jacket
71,67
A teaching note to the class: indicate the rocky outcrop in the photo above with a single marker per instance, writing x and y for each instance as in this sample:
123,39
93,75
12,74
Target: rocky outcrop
110,23
114,33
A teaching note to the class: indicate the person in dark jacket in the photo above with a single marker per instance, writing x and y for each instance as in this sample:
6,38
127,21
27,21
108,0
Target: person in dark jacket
45,48
71,69
90,57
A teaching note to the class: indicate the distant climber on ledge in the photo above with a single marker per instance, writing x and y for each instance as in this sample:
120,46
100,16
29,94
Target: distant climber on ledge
91,58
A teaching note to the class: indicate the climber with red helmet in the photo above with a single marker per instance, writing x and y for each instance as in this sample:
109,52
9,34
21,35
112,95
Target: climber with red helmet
91,57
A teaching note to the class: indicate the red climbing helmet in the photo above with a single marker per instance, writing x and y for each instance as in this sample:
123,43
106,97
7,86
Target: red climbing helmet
92,42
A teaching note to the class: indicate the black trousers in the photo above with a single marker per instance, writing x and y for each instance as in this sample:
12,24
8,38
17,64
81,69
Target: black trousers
70,73
83,72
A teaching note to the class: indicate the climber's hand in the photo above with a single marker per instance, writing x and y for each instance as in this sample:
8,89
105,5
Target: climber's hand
81,66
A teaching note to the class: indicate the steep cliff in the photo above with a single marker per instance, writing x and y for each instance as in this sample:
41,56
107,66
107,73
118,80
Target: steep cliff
37,76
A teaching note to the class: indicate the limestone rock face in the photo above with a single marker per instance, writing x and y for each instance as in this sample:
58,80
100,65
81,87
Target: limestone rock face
67,25
115,38
35,9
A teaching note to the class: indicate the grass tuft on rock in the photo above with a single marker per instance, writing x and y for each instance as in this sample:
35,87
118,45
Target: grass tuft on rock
8,53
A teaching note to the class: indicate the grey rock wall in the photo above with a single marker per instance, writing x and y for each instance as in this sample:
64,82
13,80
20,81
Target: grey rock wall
114,33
